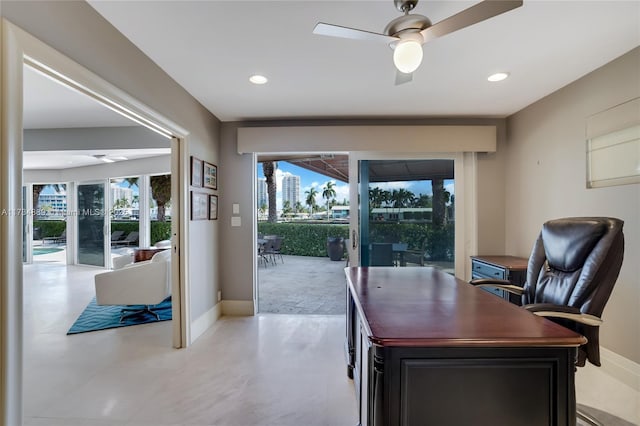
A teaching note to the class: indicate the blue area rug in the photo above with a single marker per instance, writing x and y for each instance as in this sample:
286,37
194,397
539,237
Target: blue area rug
96,317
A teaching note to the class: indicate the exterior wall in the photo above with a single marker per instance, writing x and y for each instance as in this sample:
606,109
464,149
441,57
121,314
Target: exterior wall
546,170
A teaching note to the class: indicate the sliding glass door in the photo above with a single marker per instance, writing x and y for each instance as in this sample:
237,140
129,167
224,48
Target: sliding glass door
406,214
92,223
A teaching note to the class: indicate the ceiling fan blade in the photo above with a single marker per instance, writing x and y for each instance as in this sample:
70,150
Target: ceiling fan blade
476,13
402,78
345,32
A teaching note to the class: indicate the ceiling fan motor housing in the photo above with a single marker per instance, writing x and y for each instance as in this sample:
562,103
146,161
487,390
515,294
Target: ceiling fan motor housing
405,6
413,23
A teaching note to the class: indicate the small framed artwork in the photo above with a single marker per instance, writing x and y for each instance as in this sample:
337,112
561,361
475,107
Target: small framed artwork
199,205
210,175
196,171
213,207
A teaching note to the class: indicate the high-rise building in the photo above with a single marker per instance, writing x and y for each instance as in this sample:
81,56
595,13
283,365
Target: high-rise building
290,189
51,207
262,192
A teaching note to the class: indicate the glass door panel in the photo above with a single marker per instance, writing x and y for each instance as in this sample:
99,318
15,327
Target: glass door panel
407,213
125,214
91,223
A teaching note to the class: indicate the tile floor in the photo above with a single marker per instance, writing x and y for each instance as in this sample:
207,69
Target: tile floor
266,370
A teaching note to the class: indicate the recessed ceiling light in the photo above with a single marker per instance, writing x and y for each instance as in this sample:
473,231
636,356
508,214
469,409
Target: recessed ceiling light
258,79
499,76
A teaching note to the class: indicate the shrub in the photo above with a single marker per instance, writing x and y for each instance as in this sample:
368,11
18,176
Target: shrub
304,239
49,228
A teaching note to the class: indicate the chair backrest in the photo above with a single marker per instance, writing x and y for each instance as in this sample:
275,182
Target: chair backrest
575,262
277,244
132,237
381,254
116,235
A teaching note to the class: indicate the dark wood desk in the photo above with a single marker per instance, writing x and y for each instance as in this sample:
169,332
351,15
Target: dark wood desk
426,348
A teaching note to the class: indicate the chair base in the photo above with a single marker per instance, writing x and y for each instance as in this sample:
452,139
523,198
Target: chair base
587,419
132,312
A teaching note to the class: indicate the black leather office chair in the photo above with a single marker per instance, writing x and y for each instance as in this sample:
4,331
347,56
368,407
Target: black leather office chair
572,269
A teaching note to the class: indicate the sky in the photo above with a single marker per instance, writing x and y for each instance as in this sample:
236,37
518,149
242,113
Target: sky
309,179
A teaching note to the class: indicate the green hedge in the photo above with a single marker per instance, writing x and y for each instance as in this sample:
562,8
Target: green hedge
439,243
303,239
49,228
159,230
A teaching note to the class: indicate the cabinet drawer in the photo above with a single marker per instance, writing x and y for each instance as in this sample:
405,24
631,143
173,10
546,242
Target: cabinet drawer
488,271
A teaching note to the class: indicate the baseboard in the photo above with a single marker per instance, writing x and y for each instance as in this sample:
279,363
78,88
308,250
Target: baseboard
204,321
238,307
620,368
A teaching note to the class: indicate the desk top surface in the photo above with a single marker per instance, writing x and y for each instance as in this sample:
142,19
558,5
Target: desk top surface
425,307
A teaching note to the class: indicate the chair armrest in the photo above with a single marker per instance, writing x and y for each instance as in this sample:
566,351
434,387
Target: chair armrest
565,312
501,284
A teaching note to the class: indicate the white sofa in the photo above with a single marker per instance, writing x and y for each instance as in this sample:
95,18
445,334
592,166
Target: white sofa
145,283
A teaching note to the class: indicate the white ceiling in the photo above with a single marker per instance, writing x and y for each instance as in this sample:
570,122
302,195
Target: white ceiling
212,47
50,105
52,160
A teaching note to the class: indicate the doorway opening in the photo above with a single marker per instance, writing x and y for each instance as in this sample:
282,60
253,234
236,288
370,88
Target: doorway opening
302,205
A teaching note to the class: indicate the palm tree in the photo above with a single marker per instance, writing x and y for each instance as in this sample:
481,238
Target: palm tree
439,201
269,170
328,192
311,199
161,193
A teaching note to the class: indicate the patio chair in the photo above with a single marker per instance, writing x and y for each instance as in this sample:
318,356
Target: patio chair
264,245
274,250
417,257
62,238
381,254
130,240
116,236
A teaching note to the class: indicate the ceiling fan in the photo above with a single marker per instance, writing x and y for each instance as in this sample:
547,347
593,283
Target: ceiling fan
406,34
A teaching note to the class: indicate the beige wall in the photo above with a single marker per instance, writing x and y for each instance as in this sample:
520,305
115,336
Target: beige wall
546,178
237,173
75,29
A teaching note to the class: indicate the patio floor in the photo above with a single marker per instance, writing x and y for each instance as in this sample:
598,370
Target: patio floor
302,285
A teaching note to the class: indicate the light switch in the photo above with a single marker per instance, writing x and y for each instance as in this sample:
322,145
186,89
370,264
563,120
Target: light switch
235,221
236,208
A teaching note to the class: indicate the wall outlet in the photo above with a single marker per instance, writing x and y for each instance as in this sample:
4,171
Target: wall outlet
219,295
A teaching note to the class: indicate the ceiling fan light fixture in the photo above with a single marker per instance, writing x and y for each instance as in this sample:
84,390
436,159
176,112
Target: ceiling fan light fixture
499,76
258,79
407,55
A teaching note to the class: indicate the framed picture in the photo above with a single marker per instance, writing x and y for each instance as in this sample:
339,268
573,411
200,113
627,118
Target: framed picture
213,207
196,171
210,175
199,205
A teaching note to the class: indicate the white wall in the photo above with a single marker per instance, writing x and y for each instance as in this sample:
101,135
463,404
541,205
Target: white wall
546,178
